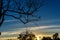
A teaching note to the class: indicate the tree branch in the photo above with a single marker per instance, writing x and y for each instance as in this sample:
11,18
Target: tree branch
15,17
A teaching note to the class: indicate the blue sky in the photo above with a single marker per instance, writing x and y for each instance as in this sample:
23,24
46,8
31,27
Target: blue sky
50,19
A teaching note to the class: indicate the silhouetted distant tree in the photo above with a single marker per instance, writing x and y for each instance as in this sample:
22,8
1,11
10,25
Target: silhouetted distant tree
26,9
43,38
46,38
55,36
27,36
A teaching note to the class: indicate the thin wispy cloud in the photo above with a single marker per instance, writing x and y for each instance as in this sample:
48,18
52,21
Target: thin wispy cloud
35,29
9,20
39,26
19,30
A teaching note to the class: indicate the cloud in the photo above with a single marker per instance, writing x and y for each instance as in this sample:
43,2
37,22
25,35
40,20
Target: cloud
19,30
39,26
41,21
9,20
35,29
13,24
54,27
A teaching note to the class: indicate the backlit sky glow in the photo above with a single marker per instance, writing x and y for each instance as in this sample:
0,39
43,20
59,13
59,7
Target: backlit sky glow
50,21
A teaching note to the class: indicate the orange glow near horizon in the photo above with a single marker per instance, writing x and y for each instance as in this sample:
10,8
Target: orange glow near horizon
37,37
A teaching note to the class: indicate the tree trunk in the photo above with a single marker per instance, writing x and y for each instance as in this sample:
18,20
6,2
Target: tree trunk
1,14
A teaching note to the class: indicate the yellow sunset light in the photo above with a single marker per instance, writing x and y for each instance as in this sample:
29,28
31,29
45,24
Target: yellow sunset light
37,37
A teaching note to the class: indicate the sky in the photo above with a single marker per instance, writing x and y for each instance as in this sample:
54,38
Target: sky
50,21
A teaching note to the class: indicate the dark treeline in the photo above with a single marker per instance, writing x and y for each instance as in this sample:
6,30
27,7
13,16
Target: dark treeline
55,37
33,37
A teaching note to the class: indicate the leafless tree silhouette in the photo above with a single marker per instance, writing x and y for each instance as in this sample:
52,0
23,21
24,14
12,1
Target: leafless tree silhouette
25,9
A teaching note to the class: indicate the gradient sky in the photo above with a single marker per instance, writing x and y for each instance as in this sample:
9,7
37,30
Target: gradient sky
50,20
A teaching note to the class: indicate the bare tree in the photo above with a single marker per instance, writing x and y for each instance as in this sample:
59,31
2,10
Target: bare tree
25,9
4,5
